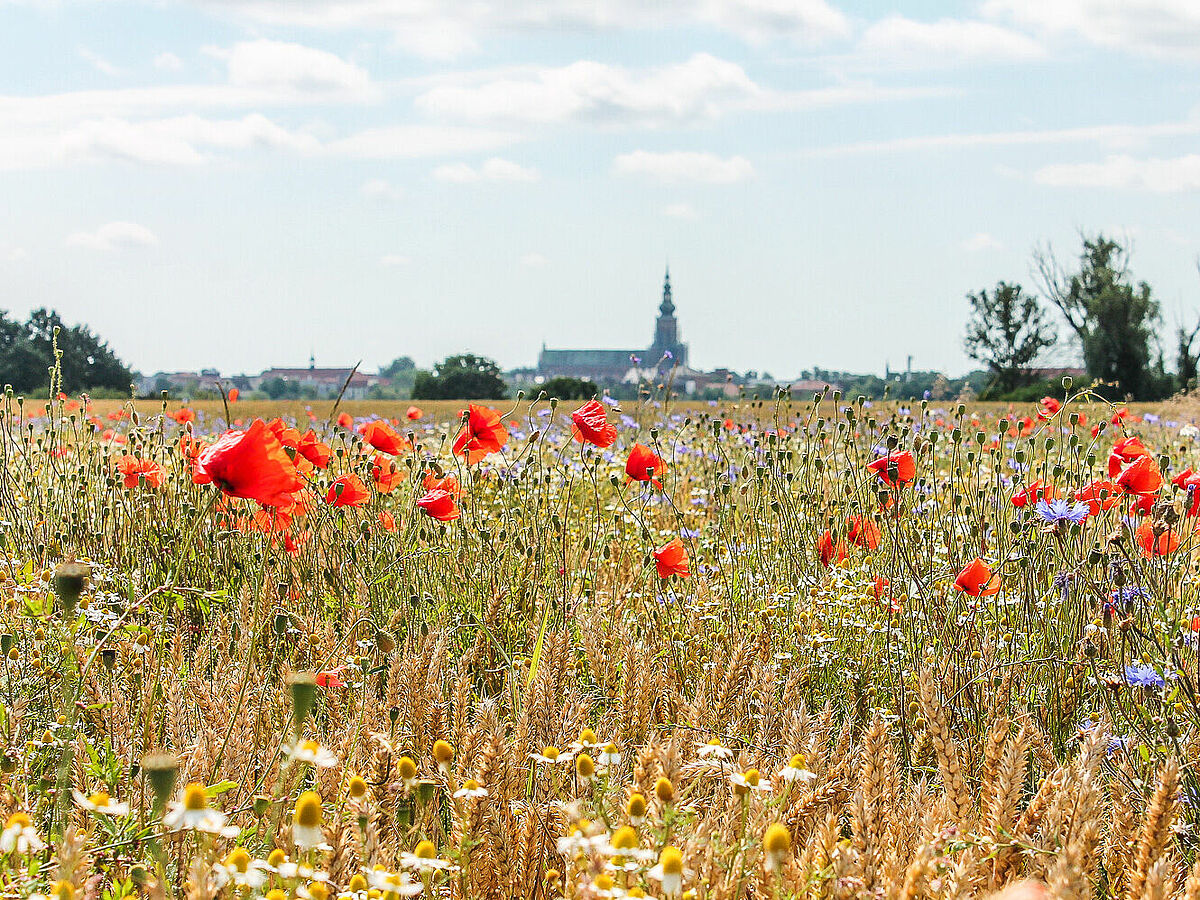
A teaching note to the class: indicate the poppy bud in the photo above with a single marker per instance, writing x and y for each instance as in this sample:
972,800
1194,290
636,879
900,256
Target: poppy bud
1067,381
6,643
108,657
384,641
261,805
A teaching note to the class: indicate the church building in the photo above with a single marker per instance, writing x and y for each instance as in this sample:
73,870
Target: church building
612,366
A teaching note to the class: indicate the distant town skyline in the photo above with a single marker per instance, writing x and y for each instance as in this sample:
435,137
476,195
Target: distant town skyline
241,183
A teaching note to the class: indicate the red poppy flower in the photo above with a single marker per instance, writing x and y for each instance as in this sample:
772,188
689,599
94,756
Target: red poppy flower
314,450
348,490
383,437
1049,406
1156,545
862,532
1142,504
286,434
183,416
345,420
1191,489
1099,495
1125,451
414,413
977,580
828,552
270,519
233,395
387,520
1033,493
482,434
895,468
447,483
387,473
331,678
590,424
439,505
1180,480
643,464
672,559
133,470
1141,477
249,464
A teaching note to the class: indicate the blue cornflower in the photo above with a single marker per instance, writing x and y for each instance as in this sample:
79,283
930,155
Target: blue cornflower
1058,511
1142,675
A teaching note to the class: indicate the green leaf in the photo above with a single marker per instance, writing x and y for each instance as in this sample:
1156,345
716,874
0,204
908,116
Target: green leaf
215,790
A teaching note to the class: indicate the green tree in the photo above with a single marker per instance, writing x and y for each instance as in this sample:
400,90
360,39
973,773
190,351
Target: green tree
464,376
1007,331
566,388
27,355
1114,319
401,365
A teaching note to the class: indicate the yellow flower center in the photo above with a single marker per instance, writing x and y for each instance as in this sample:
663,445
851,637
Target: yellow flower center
18,819
777,840
308,810
276,858
587,736
357,787
471,784
357,883
752,777
637,806
625,838
551,753
318,891
238,859
611,749
407,768
63,890
310,746
99,799
603,883
425,850
584,767
194,798
797,761
442,752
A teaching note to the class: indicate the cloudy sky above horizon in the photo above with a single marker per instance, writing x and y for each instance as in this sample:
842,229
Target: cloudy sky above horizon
238,183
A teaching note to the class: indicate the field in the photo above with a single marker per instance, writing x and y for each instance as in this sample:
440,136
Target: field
790,648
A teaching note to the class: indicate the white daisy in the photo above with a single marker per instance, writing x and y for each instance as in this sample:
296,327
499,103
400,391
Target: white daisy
194,814
795,770
312,753
20,835
714,749
101,803
471,788
399,883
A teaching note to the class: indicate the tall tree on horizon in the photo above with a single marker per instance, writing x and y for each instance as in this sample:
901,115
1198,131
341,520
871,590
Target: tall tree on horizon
1007,331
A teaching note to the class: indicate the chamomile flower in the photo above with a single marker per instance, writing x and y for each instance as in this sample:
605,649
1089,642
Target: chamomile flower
796,771
424,858
777,846
471,788
399,883
307,820
194,814
585,741
669,872
101,803
636,809
610,756
550,755
585,769
312,753
20,835
625,851
285,868
240,869
714,750
745,782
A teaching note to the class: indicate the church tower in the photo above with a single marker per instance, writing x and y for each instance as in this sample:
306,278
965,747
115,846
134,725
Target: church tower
666,328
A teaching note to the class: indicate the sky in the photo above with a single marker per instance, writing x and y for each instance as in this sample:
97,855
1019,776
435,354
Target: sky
242,183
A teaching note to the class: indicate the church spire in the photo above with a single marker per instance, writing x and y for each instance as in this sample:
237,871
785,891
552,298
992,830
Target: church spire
667,307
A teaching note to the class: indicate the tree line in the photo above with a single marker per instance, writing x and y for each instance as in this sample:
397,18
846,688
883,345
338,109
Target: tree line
1113,321
86,363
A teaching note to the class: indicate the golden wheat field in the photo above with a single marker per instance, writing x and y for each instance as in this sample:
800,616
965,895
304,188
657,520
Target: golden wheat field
801,647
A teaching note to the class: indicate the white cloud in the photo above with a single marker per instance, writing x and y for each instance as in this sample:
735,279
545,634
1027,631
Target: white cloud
98,62
905,43
417,141
294,69
494,169
393,260
1159,176
114,236
699,89
533,260
452,27
168,62
1114,136
681,165
1169,28
679,211
380,189
981,241
11,253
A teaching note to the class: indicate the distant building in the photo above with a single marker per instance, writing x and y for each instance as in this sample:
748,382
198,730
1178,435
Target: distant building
321,382
610,366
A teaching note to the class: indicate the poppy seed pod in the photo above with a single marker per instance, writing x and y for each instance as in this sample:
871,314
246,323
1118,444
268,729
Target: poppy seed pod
384,641
162,771
303,688
70,578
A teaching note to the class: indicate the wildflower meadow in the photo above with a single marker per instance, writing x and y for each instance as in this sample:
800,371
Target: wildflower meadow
781,647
